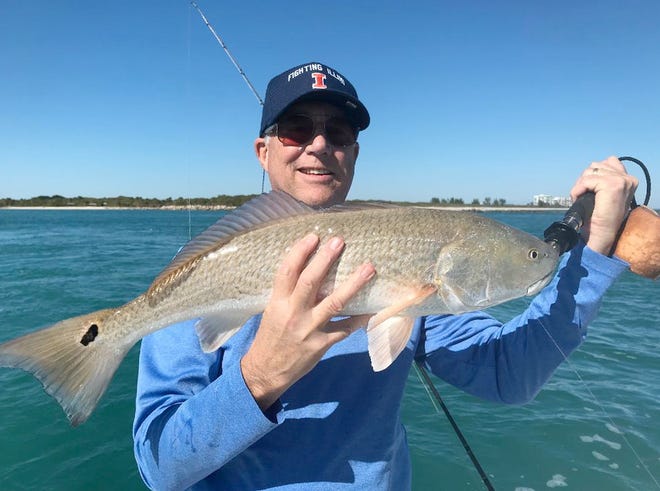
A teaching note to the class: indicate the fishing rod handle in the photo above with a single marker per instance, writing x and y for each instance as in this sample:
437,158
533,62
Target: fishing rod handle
580,211
638,242
563,235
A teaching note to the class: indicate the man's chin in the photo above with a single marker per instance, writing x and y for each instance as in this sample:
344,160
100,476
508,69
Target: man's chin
322,197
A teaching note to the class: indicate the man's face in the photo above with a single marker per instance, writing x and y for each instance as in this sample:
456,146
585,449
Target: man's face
317,173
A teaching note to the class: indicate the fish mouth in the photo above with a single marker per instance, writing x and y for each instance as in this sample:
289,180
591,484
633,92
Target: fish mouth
536,287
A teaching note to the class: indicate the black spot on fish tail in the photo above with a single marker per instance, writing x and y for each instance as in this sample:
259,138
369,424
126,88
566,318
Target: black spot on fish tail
90,335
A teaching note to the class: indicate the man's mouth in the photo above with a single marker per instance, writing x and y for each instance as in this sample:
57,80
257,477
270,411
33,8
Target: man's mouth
316,172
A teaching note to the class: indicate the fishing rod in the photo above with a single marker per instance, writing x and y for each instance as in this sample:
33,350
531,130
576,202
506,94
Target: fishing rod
562,235
224,47
420,370
439,404
638,240
637,243
238,67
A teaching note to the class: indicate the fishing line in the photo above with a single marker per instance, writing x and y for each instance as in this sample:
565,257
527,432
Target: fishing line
421,371
633,203
608,418
423,375
563,235
187,164
647,176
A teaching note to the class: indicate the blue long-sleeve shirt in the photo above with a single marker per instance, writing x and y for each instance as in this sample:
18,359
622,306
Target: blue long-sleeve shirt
198,426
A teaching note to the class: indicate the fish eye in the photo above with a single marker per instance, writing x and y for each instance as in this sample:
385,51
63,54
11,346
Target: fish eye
533,254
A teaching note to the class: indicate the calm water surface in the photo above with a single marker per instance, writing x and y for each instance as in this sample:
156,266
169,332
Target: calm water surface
593,427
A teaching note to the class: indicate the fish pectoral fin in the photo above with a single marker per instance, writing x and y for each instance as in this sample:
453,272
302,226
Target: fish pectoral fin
388,332
212,330
387,340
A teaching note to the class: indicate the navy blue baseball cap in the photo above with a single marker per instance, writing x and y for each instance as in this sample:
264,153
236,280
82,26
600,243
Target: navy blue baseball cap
312,81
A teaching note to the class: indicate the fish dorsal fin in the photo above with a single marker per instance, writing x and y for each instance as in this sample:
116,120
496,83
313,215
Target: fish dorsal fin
361,205
258,212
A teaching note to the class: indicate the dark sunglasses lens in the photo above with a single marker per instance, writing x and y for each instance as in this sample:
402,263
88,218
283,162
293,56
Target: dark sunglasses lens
340,132
295,130
299,129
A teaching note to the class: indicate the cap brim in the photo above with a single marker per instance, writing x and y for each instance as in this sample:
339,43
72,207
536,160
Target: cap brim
355,111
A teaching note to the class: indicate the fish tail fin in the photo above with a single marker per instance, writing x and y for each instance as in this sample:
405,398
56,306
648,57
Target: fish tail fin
72,359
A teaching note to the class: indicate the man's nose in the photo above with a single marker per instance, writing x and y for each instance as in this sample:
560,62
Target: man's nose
319,141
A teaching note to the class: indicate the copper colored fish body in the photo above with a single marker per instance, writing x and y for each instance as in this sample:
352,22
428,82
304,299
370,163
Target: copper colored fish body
428,261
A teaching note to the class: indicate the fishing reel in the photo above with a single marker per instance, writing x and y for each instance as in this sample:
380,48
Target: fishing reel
638,242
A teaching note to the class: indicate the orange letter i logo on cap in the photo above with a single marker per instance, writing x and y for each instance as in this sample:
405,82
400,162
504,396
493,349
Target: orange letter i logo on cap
319,81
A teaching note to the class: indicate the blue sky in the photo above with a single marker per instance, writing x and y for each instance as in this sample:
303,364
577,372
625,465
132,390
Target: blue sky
468,99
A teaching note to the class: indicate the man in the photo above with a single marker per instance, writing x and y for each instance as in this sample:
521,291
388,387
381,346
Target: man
290,401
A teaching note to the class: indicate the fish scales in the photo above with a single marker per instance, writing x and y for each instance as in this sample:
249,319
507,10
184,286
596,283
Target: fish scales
246,265
392,239
428,261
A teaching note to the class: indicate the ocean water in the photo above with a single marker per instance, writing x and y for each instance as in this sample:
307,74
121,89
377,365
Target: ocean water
595,426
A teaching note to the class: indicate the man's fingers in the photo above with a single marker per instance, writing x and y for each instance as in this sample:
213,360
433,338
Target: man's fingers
341,329
608,172
614,189
610,164
334,304
292,266
313,275
299,279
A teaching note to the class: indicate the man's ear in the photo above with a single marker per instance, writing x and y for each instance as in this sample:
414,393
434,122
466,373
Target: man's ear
261,150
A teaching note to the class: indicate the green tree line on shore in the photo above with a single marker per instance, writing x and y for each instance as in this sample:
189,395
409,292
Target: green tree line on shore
220,201
488,201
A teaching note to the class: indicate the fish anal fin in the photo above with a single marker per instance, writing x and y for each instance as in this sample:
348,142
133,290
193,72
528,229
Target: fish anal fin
214,331
387,340
388,331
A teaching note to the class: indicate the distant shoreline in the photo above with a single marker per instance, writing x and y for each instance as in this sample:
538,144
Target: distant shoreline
508,209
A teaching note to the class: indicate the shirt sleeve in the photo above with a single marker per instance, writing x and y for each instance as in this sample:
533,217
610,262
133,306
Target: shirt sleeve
191,417
510,362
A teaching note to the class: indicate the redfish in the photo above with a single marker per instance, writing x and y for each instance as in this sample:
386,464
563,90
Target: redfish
428,261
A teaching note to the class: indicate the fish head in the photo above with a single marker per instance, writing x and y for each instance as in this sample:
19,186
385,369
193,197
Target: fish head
490,265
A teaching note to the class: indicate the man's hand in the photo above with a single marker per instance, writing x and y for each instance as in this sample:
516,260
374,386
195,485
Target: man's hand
614,190
295,330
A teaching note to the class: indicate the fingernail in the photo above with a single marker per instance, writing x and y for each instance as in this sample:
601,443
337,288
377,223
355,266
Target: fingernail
367,271
336,243
311,239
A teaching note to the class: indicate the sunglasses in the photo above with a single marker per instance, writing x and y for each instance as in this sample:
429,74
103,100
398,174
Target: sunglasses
297,130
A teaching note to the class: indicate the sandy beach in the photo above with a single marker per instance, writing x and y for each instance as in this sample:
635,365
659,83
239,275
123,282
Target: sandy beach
85,208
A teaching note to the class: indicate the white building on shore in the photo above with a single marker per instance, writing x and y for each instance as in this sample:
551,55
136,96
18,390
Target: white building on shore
548,200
